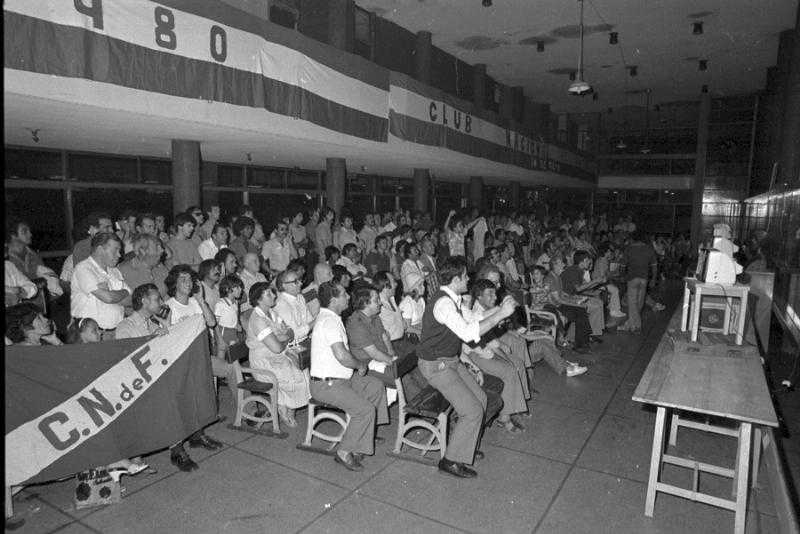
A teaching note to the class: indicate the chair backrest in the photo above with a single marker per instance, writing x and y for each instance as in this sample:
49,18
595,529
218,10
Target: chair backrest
237,352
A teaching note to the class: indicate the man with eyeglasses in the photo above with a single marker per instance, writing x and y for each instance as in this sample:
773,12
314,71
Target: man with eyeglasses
279,250
291,306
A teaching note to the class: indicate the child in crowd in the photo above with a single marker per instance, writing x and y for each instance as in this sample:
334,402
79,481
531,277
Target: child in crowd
226,310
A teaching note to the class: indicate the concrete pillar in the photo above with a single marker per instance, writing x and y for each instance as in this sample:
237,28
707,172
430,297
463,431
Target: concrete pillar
479,85
515,193
185,174
476,192
700,168
422,57
335,183
790,132
341,24
422,187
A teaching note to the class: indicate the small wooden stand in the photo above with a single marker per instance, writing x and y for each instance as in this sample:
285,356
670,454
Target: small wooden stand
693,293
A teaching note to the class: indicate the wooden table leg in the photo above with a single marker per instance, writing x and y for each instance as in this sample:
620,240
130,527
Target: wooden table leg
687,293
742,472
698,300
655,461
726,322
742,316
758,444
9,502
673,428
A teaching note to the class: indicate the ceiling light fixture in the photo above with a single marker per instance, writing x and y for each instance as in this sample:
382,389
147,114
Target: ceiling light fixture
580,87
632,70
621,145
613,38
540,46
702,64
697,27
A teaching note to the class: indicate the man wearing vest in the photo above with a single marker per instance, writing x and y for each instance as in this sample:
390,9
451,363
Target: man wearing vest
444,329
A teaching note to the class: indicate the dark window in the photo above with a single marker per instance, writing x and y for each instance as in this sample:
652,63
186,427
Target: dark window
303,180
265,177
33,165
358,183
229,203
405,186
113,202
44,211
156,171
387,185
407,203
385,203
359,205
229,175
271,208
91,168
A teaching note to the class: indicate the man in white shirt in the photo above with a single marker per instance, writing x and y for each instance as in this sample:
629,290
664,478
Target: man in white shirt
98,289
291,306
346,234
333,381
279,250
218,240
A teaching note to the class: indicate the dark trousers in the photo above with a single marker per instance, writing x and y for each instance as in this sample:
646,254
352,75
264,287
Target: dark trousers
363,398
578,316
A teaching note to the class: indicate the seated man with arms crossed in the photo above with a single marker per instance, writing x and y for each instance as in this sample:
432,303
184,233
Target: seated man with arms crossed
444,329
334,382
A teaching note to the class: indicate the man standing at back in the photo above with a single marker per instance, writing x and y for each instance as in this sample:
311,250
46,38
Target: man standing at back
444,330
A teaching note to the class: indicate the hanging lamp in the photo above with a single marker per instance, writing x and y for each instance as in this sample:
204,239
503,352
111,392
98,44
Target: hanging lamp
580,87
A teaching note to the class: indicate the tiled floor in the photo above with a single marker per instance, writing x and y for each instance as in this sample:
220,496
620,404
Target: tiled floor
580,467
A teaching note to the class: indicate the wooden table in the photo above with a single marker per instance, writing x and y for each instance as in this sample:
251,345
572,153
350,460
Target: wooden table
714,379
690,315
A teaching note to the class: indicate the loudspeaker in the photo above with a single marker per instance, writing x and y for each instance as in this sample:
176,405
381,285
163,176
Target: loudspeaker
95,487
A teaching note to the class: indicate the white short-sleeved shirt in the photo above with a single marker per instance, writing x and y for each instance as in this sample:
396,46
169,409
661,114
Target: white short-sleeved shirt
208,249
412,309
392,319
86,277
328,330
227,313
181,311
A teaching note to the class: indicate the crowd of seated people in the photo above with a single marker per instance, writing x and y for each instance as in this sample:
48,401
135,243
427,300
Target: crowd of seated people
462,296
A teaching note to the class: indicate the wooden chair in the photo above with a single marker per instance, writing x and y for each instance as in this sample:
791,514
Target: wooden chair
254,386
429,411
319,411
